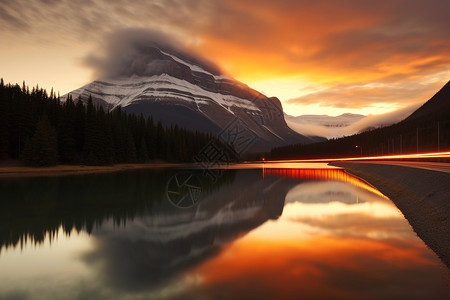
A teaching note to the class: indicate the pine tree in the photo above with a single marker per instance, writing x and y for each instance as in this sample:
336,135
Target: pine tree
143,152
91,137
150,138
4,116
79,123
42,149
160,141
119,135
66,132
104,148
131,148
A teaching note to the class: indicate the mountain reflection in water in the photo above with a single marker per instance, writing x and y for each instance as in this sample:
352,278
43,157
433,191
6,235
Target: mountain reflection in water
268,234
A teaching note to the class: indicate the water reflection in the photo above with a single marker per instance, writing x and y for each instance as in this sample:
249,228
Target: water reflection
162,244
270,234
322,174
32,208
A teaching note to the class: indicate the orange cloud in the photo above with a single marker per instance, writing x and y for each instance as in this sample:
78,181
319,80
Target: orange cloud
336,47
330,37
398,46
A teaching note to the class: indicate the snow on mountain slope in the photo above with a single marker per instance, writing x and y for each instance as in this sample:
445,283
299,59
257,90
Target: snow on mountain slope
178,89
124,91
193,68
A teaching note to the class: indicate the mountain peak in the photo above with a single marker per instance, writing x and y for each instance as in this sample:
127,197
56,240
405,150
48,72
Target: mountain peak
181,89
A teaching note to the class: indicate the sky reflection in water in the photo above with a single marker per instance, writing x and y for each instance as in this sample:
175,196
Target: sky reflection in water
314,234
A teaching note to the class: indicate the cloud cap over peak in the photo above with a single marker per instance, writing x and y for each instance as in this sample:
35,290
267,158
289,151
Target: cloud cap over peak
141,52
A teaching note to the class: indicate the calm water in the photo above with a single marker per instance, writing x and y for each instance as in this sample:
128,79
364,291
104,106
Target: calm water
178,234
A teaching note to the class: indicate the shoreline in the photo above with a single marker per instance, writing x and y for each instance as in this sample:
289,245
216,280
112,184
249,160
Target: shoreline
62,170
421,195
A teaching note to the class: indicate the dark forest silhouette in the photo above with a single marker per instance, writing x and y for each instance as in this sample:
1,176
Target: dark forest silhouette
41,130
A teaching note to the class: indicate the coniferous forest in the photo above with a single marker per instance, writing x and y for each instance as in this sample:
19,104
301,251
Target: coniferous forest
40,130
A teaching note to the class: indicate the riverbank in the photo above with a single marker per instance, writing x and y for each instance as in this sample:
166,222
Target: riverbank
60,170
423,196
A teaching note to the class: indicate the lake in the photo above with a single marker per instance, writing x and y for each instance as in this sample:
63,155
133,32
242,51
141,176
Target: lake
284,231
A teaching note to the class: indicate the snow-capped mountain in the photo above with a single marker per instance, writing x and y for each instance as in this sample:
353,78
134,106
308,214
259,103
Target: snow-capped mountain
343,120
176,88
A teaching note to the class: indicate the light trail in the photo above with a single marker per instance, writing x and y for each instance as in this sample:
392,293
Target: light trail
323,174
385,157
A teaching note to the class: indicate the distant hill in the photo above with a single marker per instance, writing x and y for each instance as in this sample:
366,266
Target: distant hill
438,106
343,120
426,129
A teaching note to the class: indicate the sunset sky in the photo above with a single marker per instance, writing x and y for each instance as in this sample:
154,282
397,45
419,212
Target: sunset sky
318,57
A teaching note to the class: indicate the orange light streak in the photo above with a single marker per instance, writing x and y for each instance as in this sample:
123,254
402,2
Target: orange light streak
322,174
399,156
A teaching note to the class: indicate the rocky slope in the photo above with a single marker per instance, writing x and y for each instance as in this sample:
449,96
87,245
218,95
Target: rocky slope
177,89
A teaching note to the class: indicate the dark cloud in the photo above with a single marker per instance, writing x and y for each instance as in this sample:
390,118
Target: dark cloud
127,52
17,295
11,21
133,52
76,16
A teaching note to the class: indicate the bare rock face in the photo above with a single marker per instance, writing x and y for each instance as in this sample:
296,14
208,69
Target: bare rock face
180,90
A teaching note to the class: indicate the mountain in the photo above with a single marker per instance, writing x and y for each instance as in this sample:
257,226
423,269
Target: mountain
438,107
343,120
178,89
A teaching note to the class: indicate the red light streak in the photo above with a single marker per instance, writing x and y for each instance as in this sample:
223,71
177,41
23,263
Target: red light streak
385,157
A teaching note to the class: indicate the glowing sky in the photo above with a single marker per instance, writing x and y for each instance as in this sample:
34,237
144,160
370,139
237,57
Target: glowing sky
318,57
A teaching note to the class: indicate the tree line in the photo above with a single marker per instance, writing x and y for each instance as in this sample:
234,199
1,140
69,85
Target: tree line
39,129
